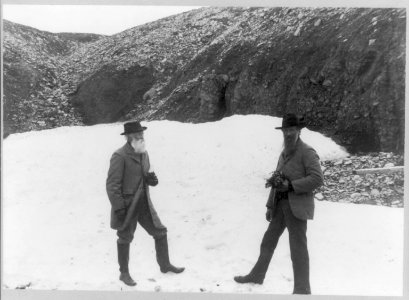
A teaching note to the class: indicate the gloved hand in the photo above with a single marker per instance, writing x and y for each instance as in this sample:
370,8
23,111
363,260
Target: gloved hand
151,179
269,214
121,214
276,180
284,186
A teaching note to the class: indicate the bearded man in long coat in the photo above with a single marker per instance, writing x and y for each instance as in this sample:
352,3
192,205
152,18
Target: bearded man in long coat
127,187
290,205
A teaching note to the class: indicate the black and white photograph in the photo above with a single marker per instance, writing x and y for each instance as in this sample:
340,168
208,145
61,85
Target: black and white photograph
229,149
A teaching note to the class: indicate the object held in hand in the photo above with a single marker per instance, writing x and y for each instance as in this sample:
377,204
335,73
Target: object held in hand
152,179
276,180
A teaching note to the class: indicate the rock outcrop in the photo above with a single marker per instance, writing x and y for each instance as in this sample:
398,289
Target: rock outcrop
108,95
343,68
379,188
36,88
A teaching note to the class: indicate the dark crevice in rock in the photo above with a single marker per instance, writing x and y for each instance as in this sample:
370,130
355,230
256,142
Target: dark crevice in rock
109,94
212,97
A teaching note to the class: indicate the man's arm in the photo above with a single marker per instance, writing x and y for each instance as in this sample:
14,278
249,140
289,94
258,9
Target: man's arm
313,178
270,200
114,182
150,178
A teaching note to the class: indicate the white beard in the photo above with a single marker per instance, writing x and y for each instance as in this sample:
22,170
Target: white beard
138,146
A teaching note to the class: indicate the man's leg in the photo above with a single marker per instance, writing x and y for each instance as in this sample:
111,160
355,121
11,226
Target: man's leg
162,255
297,231
161,240
268,245
125,237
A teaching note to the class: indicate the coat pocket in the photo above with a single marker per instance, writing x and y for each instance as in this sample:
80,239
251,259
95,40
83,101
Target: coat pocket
115,224
128,199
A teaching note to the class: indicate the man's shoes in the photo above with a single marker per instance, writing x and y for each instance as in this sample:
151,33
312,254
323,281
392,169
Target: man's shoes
127,279
171,268
123,260
162,256
305,292
248,279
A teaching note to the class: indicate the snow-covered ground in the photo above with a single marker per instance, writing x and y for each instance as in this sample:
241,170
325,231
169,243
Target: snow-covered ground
211,196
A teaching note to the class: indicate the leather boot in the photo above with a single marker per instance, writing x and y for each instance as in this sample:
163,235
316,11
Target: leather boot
303,292
162,256
259,270
123,260
249,278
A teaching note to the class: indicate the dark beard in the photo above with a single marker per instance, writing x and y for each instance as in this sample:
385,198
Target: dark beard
289,147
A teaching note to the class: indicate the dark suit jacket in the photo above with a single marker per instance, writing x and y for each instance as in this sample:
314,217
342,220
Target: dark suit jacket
126,174
303,169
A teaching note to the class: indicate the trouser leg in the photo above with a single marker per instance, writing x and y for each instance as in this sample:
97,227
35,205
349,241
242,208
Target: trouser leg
123,257
269,244
297,230
160,237
145,220
123,247
126,235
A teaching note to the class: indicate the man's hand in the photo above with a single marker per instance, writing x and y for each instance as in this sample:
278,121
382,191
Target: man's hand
151,179
276,180
121,214
269,214
284,187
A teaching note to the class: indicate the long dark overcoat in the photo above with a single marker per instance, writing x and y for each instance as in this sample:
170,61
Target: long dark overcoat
125,178
303,169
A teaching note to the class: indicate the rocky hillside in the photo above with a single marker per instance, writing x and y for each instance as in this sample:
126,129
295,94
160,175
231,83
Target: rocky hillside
341,67
35,85
377,188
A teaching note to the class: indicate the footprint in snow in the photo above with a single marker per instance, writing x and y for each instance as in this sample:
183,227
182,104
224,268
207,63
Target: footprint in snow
215,246
287,278
23,286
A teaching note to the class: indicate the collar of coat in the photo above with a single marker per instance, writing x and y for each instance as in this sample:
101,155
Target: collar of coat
131,152
299,144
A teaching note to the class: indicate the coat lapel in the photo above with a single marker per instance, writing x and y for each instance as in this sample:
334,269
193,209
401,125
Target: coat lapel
281,161
141,159
131,153
284,159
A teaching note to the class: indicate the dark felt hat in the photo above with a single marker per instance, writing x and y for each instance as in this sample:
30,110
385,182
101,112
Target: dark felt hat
290,120
132,127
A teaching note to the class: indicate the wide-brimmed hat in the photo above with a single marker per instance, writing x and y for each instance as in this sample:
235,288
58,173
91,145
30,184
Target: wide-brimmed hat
132,127
290,120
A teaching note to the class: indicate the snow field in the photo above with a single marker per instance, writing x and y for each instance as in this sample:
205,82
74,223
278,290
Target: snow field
211,196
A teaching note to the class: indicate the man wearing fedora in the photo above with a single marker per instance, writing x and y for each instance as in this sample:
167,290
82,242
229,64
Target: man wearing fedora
290,205
127,186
